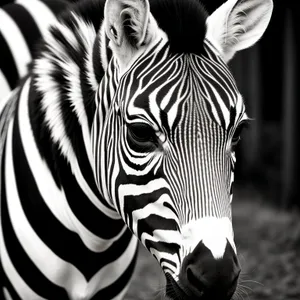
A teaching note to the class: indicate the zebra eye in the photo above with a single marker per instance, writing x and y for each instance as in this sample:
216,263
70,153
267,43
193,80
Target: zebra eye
142,134
237,134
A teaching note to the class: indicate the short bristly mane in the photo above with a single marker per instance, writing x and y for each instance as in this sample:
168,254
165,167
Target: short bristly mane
66,76
184,22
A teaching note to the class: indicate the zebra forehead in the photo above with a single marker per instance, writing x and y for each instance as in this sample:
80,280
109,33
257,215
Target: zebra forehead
183,83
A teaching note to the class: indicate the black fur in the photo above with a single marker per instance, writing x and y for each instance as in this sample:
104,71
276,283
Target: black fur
184,23
182,20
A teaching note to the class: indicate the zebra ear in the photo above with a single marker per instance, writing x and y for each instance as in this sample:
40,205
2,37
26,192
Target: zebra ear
127,25
238,24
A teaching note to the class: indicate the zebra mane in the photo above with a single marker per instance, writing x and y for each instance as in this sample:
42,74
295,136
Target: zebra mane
66,75
74,37
184,22
75,41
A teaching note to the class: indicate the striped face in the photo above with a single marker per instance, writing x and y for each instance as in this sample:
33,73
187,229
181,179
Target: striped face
168,119
165,151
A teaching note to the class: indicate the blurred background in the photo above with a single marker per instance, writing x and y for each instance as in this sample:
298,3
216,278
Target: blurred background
266,199
267,75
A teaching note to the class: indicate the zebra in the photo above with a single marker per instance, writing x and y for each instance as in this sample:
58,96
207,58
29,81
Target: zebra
22,23
125,130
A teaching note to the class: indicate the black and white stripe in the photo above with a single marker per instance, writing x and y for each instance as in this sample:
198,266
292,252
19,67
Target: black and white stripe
22,24
97,145
151,185
80,253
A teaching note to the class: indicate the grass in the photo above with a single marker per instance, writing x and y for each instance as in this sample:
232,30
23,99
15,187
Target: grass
268,243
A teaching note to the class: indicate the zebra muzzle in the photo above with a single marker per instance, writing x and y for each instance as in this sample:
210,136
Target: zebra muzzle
204,277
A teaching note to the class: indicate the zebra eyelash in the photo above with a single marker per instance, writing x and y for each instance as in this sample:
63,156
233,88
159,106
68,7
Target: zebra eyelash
237,132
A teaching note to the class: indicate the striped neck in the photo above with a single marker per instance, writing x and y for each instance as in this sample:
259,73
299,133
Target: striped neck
62,103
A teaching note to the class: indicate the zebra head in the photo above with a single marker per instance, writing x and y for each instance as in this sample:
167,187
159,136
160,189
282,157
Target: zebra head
165,133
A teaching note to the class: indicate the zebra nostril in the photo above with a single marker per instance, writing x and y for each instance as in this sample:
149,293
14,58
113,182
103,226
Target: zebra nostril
196,283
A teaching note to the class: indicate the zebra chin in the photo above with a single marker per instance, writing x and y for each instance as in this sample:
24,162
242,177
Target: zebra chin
203,277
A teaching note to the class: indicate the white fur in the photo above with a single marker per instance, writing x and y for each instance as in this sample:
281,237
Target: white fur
238,24
103,48
7,294
16,43
4,86
88,35
138,12
142,23
41,13
213,232
51,106
68,35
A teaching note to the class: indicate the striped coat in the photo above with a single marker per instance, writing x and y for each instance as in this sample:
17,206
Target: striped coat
125,128
22,23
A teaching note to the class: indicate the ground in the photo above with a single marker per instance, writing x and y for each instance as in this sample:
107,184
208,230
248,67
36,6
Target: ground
268,243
